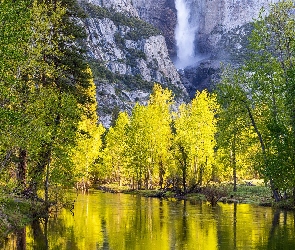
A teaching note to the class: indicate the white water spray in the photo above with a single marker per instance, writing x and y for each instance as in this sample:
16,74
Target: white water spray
184,36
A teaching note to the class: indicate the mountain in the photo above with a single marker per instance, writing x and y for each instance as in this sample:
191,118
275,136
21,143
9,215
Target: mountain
133,43
127,55
221,29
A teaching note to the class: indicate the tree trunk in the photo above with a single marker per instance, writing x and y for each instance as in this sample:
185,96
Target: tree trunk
184,179
235,178
22,169
6,160
234,162
46,184
146,180
38,172
200,179
274,190
183,166
161,174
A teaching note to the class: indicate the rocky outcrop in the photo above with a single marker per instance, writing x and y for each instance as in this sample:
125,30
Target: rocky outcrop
136,54
127,56
223,27
216,18
202,76
123,6
161,14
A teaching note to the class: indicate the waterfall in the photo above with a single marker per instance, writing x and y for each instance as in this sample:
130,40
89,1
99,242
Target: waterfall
184,36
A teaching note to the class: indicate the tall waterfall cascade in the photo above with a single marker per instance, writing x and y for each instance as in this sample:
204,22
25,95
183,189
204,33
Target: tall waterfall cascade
184,35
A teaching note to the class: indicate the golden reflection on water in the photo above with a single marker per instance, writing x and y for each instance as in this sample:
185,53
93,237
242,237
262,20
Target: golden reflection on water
125,222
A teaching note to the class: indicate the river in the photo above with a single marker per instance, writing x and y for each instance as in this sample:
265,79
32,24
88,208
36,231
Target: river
120,221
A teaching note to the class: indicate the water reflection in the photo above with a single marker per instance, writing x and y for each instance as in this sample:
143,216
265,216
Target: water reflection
117,221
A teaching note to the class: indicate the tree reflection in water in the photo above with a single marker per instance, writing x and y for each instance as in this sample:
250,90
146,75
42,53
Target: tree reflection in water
125,222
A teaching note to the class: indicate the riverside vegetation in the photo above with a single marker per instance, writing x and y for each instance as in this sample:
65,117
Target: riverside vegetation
50,138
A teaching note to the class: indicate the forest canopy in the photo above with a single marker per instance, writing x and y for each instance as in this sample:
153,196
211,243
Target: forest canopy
51,139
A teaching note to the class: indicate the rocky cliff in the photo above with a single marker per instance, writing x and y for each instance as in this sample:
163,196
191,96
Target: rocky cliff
127,55
221,29
130,43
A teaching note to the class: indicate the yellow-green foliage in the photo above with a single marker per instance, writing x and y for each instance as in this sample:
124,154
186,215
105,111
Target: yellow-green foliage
89,140
195,126
115,157
142,152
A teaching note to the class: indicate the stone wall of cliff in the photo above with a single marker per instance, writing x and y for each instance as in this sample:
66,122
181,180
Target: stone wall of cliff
137,54
219,17
128,55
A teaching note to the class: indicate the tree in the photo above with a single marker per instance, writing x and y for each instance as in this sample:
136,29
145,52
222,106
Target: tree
45,85
115,156
58,71
194,142
138,145
272,86
14,38
264,87
234,136
89,142
159,130
204,109
149,139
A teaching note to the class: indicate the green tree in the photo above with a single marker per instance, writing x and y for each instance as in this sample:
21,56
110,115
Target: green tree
60,86
272,85
194,142
89,142
14,38
159,130
235,136
149,139
138,145
115,156
264,87
45,85
273,39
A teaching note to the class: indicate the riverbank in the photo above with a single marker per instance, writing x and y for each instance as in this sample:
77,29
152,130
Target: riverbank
246,194
16,212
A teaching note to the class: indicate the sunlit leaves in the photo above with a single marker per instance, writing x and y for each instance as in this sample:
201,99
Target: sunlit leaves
195,127
262,90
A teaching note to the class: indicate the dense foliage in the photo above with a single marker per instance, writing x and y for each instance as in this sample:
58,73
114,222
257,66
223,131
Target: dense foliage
49,133
258,99
160,147
46,96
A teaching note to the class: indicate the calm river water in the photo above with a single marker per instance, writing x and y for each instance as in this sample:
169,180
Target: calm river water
119,221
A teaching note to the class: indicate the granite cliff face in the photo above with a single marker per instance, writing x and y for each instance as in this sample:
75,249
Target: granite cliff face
127,56
162,14
122,6
221,29
216,18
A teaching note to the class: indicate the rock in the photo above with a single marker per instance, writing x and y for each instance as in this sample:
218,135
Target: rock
132,51
120,39
222,28
123,6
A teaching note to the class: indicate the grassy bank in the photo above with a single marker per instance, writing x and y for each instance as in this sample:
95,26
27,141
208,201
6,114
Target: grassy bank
16,212
254,194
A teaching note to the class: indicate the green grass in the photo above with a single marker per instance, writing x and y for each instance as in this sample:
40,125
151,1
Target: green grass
252,194
15,213
245,194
